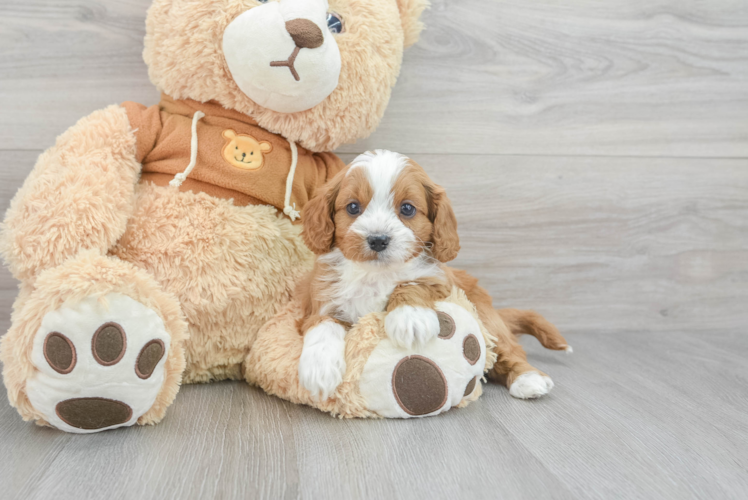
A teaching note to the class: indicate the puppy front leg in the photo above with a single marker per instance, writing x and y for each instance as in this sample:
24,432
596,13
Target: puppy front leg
411,318
322,362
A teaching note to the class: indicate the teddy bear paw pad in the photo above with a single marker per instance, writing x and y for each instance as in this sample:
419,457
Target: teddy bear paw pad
100,363
426,379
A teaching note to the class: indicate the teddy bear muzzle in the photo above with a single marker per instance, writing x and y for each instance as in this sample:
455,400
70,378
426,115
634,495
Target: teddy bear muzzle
299,64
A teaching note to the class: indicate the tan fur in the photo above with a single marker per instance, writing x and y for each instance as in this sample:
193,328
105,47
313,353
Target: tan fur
435,225
273,363
227,292
410,11
44,231
424,292
318,216
355,187
93,163
82,225
511,359
371,48
88,274
439,223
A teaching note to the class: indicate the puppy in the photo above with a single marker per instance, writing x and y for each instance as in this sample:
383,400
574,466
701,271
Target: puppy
382,231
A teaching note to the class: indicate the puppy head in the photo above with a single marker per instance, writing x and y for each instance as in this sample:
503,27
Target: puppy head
383,208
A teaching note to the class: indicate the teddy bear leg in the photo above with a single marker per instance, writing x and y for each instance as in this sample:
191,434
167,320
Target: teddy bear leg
95,345
427,379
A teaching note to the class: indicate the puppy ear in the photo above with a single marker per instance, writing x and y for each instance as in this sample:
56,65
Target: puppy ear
410,16
444,236
318,218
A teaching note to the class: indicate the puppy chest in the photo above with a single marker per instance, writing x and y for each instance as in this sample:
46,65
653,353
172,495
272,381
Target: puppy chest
356,300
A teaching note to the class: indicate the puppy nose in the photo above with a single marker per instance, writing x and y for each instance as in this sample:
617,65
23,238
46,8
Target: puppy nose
378,243
305,34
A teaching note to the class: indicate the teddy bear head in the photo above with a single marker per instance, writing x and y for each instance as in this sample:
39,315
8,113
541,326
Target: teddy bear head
317,72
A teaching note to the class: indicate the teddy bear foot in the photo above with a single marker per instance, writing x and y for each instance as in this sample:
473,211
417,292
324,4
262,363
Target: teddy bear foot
427,378
101,363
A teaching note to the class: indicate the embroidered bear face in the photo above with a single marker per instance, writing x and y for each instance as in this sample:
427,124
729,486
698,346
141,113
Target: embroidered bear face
244,151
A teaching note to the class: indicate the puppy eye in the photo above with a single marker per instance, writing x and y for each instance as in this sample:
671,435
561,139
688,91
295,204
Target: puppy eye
335,23
407,210
353,209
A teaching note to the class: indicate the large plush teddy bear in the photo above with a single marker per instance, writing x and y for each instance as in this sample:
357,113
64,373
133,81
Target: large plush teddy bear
153,243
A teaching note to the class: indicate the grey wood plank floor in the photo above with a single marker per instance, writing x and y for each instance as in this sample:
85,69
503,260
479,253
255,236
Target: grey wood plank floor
596,152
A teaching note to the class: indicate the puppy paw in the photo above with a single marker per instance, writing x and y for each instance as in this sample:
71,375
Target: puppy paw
409,325
322,363
531,385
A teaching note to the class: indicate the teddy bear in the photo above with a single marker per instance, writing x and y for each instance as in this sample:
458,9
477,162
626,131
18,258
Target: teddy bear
161,245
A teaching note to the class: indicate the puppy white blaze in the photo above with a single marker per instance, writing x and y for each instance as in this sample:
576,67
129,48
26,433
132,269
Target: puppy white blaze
380,218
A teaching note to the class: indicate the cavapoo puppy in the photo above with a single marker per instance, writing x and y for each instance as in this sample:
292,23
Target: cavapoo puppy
382,230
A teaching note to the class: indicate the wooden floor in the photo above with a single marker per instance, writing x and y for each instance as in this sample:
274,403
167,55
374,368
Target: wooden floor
596,152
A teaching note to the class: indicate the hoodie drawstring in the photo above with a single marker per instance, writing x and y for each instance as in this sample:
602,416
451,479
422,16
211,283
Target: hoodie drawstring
180,178
289,209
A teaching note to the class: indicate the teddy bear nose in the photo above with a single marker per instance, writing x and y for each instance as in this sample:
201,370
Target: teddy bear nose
305,34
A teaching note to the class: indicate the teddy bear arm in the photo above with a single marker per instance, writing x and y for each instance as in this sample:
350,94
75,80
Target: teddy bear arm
78,196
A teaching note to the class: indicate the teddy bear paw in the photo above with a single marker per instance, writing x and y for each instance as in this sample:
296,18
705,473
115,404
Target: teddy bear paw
429,377
322,362
408,325
100,363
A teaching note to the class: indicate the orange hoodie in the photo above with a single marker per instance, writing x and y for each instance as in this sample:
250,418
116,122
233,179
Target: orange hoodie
236,158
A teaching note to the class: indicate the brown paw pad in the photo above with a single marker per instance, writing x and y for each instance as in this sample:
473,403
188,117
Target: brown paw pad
471,349
109,344
419,385
470,387
59,352
148,358
447,326
93,413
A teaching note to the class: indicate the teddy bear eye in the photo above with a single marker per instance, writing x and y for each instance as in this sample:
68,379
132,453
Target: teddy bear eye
335,23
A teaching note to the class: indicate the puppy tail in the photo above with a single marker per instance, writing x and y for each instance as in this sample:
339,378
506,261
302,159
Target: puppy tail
531,323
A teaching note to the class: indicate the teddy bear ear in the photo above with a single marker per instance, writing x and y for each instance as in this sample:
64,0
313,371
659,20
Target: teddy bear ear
229,134
410,15
266,147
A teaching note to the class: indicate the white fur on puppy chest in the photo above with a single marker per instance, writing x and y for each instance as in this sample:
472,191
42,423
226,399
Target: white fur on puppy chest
259,36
